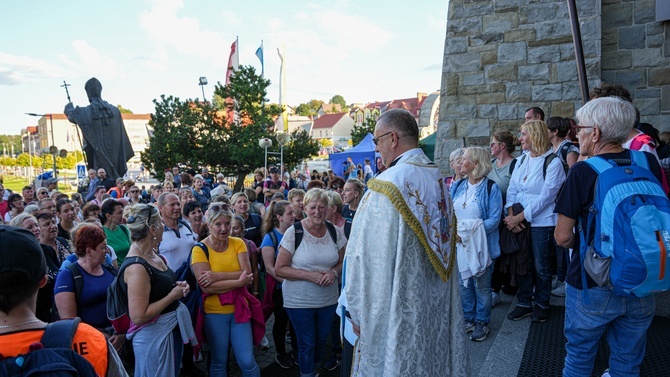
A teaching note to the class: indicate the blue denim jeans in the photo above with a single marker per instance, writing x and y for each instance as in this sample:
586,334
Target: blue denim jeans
312,327
542,241
476,298
222,331
626,320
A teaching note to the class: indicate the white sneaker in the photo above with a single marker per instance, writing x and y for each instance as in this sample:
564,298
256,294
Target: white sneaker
559,291
495,299
265,345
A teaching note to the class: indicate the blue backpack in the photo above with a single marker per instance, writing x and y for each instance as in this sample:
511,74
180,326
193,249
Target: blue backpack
52,356
632,228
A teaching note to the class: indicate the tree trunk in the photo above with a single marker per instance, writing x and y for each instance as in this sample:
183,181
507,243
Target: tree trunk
239,184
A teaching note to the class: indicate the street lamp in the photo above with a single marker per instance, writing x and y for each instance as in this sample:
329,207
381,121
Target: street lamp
30,156
202,83
53,141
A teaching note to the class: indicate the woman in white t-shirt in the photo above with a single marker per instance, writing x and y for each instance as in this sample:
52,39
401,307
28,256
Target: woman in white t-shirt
311,272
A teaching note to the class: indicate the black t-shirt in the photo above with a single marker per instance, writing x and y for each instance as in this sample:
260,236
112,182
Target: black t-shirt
574,201
252,229
347,212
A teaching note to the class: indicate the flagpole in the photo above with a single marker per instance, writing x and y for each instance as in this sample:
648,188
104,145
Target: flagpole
262,62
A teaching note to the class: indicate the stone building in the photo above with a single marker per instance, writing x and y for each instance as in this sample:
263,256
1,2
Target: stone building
504,56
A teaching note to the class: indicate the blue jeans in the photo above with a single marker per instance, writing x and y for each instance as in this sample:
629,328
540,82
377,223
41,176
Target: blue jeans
476,298
542,244
626,320
312,327
222,331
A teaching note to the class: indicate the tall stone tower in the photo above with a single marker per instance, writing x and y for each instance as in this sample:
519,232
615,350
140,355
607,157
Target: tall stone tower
504,56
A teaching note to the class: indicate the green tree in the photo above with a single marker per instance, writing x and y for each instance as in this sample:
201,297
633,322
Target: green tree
326,142
310,108
358,133
339,100
123,110
208,134
7,141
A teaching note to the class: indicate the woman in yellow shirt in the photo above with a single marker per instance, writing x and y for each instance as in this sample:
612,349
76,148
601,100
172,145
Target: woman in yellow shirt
224,272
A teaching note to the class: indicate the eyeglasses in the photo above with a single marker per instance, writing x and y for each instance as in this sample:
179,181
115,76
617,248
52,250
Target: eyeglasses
579,128
131,219
376,139
219,207
42,193
134,191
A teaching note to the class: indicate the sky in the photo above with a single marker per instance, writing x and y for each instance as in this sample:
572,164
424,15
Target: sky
365,50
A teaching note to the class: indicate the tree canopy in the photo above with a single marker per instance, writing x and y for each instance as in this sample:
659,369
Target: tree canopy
224,135
358,133
339,100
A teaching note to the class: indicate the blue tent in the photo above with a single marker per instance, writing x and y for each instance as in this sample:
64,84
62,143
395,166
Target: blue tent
364,149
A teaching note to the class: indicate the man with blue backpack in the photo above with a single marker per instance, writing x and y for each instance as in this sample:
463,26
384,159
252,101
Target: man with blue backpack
613,212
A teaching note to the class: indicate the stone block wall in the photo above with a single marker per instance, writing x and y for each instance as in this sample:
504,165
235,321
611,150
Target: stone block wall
504,56
636,54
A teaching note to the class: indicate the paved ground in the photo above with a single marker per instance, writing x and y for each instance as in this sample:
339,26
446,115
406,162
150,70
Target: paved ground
499,355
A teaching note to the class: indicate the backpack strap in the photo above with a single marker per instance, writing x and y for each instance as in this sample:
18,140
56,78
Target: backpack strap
184,223
78,281
511,166
599,164
59,334
639,159
331,229
204,248
642,139
547,160
489,185
565,148
459,183
298,234
273,238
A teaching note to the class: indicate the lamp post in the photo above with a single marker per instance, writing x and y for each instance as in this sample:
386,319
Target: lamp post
265,143
202,82
30,157
53,150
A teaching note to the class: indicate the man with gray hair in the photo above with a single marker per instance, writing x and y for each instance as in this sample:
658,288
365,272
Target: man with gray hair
604,124
401,293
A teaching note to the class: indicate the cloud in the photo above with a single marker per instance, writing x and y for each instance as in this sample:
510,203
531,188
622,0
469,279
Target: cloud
91,61
183,34
15,69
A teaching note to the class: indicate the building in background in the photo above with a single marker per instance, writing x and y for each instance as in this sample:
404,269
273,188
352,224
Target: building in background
336,127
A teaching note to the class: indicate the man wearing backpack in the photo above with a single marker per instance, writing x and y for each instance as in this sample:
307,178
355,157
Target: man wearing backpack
67,343
590,308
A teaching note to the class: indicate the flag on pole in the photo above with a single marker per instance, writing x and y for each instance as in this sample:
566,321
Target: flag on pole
233,60
259,54
282,87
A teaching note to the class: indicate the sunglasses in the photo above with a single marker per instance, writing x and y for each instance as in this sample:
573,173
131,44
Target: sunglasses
335,187
42,193
214,208
134,191
131,219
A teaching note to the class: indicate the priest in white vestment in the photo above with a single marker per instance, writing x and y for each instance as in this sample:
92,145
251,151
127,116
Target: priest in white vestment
402,294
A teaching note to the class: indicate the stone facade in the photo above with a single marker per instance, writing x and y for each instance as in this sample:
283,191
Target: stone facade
504,56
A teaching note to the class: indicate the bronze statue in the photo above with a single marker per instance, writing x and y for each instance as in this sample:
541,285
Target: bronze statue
106,142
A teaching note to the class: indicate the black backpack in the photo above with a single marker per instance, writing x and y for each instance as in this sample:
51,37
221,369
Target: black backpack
299,232
547,160
56,358
78,285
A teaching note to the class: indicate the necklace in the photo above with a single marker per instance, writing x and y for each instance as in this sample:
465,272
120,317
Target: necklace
149,254
19,324
465,201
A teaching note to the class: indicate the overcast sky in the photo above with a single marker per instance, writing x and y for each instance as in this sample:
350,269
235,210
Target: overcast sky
364,50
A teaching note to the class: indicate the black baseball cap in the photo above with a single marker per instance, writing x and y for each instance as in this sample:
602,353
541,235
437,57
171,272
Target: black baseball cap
20,252
273,169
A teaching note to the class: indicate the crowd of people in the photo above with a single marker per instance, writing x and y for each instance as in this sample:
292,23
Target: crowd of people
333,259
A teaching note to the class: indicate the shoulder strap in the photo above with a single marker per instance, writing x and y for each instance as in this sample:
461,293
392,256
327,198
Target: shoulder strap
78,281
489,185
204,248
110,268
564,150
599,164
547,160
511,166
273,238
298,234
184,223
641,139
59,334
331,229
522,158
639,159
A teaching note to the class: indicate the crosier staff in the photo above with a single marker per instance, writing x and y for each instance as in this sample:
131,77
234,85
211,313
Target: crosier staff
67,92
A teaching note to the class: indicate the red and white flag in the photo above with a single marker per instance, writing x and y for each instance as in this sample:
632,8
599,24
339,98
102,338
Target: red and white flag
233,60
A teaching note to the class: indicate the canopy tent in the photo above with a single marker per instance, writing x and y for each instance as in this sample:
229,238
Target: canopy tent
428,145
364,149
